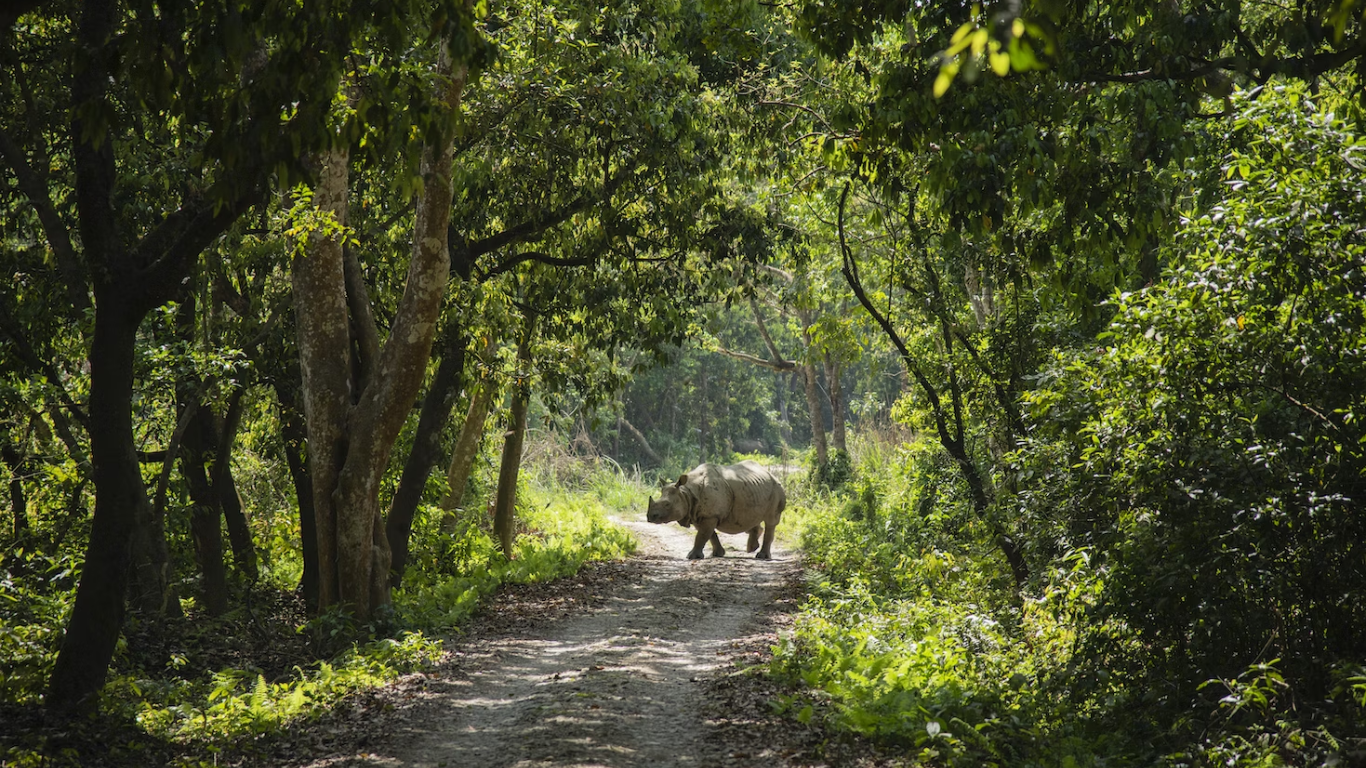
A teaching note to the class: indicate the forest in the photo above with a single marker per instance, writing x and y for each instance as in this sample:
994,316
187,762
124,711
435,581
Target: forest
327,326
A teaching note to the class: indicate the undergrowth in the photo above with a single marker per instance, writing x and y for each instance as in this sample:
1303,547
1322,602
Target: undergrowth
202,687
914,635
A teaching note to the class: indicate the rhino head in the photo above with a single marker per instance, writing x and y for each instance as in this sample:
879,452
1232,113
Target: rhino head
671,506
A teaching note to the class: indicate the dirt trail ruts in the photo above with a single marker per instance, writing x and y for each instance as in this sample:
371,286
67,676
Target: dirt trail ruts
618,685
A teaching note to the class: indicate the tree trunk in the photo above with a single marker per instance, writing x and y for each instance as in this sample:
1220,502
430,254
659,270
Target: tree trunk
196,443
467,445
16,462
324,340
813,405
505,501
837,418
130,279
294,433
224,437
702,419
206,516
151,555
239,529
349,444
784,420
435,414
97,616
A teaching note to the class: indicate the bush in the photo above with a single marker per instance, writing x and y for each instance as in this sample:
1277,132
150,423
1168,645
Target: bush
1212,454
36,594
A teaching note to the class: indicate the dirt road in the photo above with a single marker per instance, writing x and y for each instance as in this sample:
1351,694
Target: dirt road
619,684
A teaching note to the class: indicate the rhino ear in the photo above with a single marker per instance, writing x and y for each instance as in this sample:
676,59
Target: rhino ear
681,480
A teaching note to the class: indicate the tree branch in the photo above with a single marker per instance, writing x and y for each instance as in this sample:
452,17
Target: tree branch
34,186
773,352
165,253
955,447
1302,67
173,447
362,316
1007,404
9,325
775,365
524,230
772,270
800,107
537,256
640,438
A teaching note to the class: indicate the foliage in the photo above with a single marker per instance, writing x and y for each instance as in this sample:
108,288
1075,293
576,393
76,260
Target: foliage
234,703
1189,484
36,592
561,530
934,655
837,471
921,646
1211,450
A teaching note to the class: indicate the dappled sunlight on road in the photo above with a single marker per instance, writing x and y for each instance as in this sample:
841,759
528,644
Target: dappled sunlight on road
615,686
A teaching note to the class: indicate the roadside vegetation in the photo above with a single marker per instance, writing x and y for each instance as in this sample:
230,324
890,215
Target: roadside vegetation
204,688
1193,523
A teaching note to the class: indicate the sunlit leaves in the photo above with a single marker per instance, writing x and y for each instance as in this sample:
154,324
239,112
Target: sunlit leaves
973,45
1214,435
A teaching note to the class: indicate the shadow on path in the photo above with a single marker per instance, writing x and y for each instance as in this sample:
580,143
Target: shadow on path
616,686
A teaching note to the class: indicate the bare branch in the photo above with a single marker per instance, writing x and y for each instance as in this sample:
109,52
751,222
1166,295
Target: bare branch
173,447
801,107
763,331
34,186
522,231
775,365
1302,67
642,441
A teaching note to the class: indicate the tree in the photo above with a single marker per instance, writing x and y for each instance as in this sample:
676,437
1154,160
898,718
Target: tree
505,501
210,108
350,441
563,166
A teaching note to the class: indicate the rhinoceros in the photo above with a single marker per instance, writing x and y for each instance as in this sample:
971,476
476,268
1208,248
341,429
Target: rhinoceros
733,498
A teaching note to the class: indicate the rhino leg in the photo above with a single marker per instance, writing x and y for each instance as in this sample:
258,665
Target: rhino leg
716,549
769,529
753,539
705,532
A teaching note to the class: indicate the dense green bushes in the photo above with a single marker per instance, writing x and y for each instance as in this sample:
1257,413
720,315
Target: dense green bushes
912,629
1211,453
1189,494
